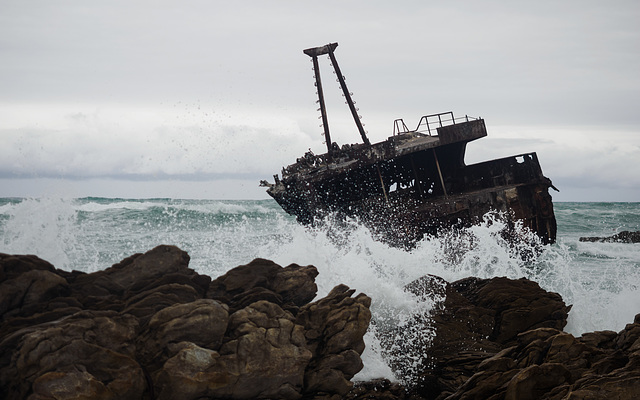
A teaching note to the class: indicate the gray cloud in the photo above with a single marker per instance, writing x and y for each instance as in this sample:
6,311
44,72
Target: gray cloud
210,89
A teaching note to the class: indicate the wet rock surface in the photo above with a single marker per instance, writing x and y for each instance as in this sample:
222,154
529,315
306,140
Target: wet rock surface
502,339
151,328
622,237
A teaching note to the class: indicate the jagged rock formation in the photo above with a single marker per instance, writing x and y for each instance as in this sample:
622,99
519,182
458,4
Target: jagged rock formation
151,328
502,339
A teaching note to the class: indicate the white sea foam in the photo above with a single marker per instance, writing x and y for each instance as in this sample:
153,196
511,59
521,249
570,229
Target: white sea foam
93,206
44,227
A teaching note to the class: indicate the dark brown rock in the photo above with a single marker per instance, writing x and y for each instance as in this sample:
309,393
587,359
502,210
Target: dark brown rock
202,322
134,274
32,291
14,265
533,382
292,286
623,385
622,237
145,304
540,363
265,357
629,337
472,320
380,389
29,292
95,346
549,364
334,329
150,327
518,305
147,328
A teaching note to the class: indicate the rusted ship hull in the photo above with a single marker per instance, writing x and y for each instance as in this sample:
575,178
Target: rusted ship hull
405,224
416,182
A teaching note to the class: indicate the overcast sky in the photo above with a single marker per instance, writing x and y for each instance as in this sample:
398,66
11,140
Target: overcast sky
202,99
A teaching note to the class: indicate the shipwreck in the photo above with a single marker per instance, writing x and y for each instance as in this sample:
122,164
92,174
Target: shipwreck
416,182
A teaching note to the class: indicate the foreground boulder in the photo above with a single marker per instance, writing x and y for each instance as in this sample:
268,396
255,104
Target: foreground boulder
265,356
502,339
150,327
472,320
546,363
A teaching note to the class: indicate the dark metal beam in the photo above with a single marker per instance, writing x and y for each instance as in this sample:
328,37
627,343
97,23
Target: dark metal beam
318,51
347,96
323,110
314,52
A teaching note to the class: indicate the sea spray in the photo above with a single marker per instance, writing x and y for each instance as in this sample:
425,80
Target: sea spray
46,227
345,252
400,320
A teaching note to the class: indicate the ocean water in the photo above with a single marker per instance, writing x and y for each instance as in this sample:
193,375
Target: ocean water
600,280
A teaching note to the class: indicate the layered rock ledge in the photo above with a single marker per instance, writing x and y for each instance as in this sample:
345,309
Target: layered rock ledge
503,339
151,328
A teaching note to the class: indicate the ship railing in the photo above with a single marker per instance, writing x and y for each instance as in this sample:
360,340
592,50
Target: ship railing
428,124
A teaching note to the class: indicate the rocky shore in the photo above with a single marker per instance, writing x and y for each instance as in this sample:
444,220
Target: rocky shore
149,327
622,237
502,339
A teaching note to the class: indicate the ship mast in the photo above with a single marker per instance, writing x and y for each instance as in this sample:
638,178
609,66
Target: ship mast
328,49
